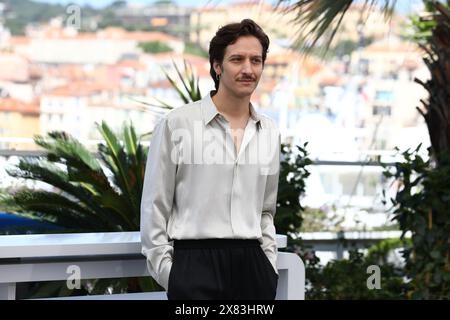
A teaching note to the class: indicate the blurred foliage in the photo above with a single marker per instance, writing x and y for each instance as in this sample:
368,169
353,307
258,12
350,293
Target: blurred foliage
347,279
314,220
424,23
380,252
291,186
154,47
20,13
346,47
195,49
421,207
436,107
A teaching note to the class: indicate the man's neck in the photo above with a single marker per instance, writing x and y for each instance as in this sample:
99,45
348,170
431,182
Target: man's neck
232,106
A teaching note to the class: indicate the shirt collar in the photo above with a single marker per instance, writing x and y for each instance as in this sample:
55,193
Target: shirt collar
209,110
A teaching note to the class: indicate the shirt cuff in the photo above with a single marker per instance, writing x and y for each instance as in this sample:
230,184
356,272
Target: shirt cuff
164,275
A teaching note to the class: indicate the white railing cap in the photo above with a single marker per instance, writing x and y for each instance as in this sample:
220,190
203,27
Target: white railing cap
77,244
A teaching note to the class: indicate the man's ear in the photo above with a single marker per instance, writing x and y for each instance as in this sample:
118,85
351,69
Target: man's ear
217,67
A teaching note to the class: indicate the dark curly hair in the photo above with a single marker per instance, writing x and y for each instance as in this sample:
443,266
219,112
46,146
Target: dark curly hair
229,34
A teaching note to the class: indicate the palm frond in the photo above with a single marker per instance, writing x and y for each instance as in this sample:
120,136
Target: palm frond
65,211
130,140
317,18
189,92
175,86
62,147
189,81
44,171
116,159
163,106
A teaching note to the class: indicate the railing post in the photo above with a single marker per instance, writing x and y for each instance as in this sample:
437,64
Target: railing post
340,245
291,283
7,291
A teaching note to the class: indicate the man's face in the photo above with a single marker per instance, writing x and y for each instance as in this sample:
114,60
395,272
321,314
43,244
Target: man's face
242,67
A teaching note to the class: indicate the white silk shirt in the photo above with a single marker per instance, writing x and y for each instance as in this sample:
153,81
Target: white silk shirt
197,186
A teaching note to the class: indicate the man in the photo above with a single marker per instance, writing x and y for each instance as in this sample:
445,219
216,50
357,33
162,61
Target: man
211,183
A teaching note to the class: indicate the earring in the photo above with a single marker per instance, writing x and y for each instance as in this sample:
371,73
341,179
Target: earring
217,77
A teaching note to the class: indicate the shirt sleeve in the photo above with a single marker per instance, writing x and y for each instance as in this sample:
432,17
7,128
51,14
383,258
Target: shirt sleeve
269,244
156,203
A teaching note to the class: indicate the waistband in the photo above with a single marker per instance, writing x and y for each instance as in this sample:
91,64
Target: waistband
215,243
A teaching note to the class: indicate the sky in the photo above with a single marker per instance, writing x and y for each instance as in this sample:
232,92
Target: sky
101,3
403,6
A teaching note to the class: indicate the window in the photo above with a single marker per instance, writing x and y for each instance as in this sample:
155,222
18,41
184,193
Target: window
364,66
381,110
384,96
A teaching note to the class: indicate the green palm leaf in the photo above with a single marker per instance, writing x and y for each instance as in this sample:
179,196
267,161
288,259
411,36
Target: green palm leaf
81,182
130,140
175,86
115,157
189,81
317,18
49,173
63,147
57,209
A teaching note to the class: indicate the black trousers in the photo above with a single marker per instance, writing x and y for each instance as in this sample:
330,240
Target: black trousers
221,269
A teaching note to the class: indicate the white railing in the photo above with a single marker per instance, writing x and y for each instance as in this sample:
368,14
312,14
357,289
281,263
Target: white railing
47,257
340,242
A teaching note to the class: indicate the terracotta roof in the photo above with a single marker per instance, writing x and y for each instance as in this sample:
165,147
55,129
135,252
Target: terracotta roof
108,75
110,33
161,84
80,89
308,66
168,56
14,105
19,40
250,3
67,71
149,36
14,67
330,80
235,5
133,64
194,58
161,56
119,33
200,64
411,63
